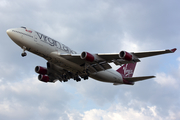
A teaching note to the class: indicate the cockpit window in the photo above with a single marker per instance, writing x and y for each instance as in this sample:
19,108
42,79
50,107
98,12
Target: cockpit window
23,27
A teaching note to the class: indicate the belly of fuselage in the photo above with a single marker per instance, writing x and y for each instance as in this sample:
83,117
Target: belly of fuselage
107,76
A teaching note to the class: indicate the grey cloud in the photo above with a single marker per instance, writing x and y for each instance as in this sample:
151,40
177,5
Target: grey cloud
94,26
32,99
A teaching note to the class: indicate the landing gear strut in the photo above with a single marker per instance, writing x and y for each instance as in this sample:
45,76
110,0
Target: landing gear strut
24,53
86,76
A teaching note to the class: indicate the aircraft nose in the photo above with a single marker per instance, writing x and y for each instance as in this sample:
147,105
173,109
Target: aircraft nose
14,36
9,32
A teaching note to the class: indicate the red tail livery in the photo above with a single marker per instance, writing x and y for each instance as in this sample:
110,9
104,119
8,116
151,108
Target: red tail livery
127,70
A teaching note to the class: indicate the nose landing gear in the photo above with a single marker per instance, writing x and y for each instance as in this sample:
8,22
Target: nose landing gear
24,53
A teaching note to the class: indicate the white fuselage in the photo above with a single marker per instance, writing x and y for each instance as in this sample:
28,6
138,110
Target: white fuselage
49,49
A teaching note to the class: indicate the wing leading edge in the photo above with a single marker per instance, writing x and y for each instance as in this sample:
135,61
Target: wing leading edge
116,58
153,53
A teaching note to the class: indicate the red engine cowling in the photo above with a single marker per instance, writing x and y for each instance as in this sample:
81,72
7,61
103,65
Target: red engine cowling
41,70
87,56
125,55
43,78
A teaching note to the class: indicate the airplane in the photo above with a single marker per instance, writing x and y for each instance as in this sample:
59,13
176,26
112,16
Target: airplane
64,64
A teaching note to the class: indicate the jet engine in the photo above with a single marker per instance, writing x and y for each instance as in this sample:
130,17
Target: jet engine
43,78
126,56
87,56
42,73
41,70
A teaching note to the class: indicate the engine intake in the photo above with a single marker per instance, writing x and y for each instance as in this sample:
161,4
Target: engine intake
43,78
87,56
41,70
125,55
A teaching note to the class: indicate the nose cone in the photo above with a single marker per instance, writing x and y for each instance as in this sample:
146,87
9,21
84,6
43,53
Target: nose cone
14,35
9,32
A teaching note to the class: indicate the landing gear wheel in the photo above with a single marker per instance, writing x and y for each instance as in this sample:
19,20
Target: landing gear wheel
65,80
78,80
23,54
86,77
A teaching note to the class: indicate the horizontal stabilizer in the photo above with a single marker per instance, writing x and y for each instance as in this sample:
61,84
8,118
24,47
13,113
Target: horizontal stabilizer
135,79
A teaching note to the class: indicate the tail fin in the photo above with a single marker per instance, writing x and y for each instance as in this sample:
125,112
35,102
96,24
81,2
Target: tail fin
127,70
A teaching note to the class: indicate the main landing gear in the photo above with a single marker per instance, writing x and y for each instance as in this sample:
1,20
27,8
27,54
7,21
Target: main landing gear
24,53
86,76
77,78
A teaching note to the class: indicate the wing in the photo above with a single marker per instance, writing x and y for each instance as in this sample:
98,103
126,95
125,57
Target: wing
124,57
153,53
91,63
98,62
92,66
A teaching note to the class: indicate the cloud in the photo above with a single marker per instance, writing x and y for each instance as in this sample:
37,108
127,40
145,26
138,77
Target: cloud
26,98
120,112
128,43
97,27
169,80
165,80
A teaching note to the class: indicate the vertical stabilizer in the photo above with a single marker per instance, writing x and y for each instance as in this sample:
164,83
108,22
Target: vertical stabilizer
127,70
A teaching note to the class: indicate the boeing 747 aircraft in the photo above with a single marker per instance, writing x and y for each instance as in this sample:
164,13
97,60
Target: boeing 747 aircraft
64,63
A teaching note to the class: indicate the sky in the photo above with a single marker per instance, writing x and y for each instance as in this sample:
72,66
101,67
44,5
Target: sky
96,26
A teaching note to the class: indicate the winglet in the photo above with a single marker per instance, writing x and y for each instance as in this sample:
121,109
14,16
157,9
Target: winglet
173,50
